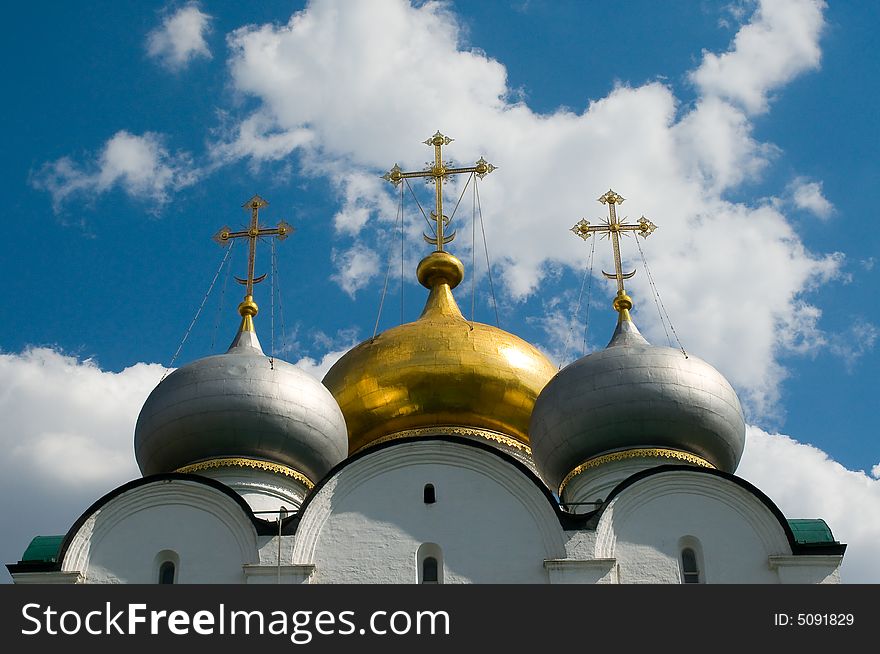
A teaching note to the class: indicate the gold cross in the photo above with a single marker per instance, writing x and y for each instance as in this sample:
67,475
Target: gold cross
438,172
615,228
225,235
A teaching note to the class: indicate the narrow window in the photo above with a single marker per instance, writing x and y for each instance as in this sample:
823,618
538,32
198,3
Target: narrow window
689,570
429,571
166,573
430,495
429,564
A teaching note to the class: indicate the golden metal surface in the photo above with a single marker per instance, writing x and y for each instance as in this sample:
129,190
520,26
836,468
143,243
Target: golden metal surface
643,452
439,172
256,464
449,430
439,371
248,309
613,228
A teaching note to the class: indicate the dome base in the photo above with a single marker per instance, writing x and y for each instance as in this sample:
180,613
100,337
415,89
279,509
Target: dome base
648,455
517,449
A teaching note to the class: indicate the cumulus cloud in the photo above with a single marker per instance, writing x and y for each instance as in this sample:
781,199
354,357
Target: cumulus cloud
68,428
180,38
779,43
362,198
808,196
733,275
319,367
355,268
805,483
140,165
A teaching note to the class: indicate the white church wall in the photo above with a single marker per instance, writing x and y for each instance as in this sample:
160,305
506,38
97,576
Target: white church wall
809,569
125,541
648,524
490,522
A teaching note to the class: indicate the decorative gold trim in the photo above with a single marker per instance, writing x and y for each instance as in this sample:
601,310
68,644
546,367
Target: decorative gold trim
468,432
256,464
642,452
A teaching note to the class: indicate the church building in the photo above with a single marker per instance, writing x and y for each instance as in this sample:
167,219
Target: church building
440,451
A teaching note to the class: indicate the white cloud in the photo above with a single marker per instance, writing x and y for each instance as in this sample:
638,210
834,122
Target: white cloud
875,471
318,368
805,483
808,196
141,165
180,38
733,276
852,344
68,429
356,266
779,43
362,198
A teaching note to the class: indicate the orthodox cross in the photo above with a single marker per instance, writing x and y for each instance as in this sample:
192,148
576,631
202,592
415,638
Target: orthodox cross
613,228
439,172
224,236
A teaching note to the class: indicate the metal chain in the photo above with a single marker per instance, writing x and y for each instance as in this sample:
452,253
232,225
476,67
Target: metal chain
424,215
474,256
280,300
198,312
274,270
486,248
588,272
399,219
659,302
222,303
589,300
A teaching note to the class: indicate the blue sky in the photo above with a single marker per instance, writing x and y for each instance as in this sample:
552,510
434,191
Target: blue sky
744,130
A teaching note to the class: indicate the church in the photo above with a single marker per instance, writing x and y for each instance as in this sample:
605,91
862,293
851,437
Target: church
440,451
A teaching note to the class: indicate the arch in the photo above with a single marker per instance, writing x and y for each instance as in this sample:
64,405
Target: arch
429,494
457,453
754,507
196,495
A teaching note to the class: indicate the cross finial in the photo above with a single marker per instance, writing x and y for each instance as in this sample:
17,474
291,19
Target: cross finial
437,173
248,308
614,228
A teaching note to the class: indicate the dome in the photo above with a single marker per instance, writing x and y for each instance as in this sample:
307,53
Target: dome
244,408
633,398
441,373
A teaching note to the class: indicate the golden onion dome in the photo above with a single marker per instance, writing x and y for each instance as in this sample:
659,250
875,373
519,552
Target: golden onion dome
440,374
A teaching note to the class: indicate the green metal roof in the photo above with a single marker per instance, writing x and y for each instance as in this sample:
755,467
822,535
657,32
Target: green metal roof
811,531
43,549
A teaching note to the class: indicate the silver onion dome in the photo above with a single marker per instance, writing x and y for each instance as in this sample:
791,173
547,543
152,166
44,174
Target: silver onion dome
241,404
635,395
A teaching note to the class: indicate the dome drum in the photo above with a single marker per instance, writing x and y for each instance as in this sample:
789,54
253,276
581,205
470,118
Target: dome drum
592,480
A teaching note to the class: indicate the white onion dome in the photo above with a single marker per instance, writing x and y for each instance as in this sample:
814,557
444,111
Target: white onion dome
241,407
635,399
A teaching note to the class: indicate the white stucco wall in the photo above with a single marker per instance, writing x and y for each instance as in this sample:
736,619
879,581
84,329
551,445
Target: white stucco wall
491,522
645,527
207,530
